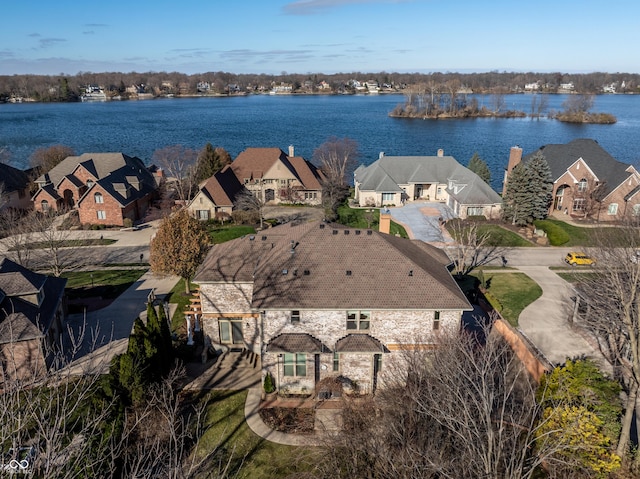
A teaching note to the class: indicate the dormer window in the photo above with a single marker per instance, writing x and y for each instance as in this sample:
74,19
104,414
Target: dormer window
98,198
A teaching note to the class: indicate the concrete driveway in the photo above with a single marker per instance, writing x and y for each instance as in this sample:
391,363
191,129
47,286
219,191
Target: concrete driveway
545,322
422,221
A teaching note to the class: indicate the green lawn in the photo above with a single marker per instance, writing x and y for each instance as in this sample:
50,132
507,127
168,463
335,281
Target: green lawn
248,455
499,236
67,243
220,234
582,236
109,284
510,293
178,297
366,218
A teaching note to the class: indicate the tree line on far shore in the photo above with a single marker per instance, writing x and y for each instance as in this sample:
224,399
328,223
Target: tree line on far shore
68,88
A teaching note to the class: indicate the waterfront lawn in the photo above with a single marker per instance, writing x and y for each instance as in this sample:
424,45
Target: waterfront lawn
229,441
510,293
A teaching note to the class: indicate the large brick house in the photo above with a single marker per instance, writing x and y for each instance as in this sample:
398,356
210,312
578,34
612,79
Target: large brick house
277,177
319,301
31,319
587,181
14,188
105,188
394,180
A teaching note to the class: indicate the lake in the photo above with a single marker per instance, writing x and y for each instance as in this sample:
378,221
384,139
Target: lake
138,128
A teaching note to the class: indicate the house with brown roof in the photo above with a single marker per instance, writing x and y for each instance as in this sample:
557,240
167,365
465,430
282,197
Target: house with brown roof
587,180
319,302
215,196
105,188
277,177
14,188
31,319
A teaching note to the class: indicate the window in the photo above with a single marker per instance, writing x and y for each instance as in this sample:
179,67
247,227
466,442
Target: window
578,204
636,210
98,198
203,214
336,361
613,209
388,198
358,320
89,183
475,211
582,185
295,364
295,317
44,205
436,320
102,215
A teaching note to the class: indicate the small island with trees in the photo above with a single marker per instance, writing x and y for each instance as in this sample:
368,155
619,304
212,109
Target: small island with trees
434,101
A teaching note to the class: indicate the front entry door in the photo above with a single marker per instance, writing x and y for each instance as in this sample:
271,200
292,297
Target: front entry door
231,331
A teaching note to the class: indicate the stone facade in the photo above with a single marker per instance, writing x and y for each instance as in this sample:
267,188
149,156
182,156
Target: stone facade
320,302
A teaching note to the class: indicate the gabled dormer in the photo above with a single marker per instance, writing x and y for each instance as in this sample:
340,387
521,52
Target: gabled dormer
16,285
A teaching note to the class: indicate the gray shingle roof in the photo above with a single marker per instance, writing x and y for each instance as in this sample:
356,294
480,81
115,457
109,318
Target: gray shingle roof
12,178
385,174
17,281
326,266
561,156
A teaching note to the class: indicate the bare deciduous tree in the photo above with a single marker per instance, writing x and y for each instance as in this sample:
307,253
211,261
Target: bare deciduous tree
44,159
473,248
610,312
251,202
180,164
465,409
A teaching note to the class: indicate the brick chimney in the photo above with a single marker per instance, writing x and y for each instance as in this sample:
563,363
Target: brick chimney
291,151
384,225
515,157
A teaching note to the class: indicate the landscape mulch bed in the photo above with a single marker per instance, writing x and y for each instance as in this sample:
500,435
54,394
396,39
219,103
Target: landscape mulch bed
289,420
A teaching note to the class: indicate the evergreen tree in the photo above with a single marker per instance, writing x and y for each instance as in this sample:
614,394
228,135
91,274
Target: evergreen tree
210,161
528,193
541,180
480,168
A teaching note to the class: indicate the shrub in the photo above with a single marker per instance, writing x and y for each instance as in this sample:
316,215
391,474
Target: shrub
127,222
268,385
556,234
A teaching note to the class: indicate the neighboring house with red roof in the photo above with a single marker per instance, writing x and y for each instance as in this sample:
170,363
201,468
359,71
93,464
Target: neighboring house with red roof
394,180
214,199
105,188
277,177
31,319
14,188
319,301
587,180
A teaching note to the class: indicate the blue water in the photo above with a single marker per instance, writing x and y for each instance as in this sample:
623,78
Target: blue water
140,127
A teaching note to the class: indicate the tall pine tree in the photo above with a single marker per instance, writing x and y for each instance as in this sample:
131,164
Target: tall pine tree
528,193
480,168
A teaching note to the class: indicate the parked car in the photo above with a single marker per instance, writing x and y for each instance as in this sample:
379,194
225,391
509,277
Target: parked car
575,258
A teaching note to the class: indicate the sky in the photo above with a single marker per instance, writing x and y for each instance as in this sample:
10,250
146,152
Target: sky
55,37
